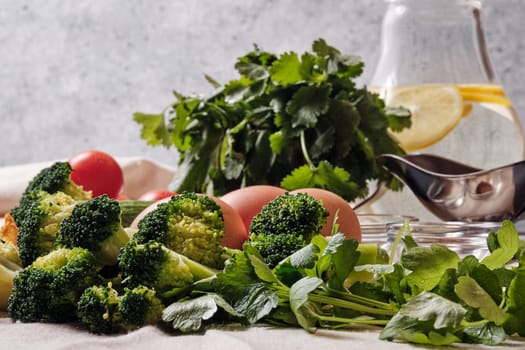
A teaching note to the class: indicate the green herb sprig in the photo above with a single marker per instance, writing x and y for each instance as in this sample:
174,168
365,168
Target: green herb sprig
291,120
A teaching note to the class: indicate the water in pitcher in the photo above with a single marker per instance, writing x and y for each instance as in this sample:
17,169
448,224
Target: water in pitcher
434,62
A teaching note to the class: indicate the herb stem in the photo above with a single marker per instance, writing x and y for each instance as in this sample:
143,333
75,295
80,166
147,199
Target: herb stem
305,151
404,230
362,300
349,321
349,305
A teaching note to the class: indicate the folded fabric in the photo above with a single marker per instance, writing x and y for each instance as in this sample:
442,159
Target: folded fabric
140,175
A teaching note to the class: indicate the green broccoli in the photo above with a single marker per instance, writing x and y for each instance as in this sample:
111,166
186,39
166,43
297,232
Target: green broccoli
154,265
191,225
48,290
37,228
98,309
275,248
55,178
95,225
285,225
140,306
102,310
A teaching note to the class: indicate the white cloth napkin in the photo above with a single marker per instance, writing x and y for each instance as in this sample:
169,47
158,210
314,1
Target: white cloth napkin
140,175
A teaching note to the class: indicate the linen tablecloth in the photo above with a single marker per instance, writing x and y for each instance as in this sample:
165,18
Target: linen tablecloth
19,336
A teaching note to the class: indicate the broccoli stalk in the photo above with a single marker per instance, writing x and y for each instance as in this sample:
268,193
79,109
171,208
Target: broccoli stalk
285,225
189,224
156,266
49,288
9,252
95,225
8,271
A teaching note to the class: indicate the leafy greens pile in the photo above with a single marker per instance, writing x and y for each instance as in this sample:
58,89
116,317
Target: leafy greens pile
292,120
431,296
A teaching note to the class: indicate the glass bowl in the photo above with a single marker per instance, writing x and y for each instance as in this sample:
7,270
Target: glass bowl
374,226
460,237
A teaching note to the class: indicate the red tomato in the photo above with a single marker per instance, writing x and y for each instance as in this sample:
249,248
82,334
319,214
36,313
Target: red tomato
155,195
234,232
97,172
346,217
248,201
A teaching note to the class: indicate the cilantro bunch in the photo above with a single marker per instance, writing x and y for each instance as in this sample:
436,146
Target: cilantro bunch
291,120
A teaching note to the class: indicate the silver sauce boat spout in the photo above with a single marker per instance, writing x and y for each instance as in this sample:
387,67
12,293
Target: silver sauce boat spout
458,192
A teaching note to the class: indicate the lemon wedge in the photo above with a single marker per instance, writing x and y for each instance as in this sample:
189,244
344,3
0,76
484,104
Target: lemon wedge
436,110
484,93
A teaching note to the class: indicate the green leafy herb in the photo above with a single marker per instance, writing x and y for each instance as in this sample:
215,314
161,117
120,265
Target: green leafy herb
428,265
429,297
426,319
189,315
473,295
508,243
289,120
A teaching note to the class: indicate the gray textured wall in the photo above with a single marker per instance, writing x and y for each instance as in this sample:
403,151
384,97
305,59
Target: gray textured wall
73,72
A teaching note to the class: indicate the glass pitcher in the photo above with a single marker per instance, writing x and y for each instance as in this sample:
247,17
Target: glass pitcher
434,61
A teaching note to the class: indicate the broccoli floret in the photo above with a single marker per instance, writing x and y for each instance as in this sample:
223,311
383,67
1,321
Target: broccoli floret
55,178
275,248
98,309
189,224
48,290
102,310
140,306
37,228
156,266
95,225
285,225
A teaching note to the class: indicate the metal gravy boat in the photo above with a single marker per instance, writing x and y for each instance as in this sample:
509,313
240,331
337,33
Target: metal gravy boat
458,192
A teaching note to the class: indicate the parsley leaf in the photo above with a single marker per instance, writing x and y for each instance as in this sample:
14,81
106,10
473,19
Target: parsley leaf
287,70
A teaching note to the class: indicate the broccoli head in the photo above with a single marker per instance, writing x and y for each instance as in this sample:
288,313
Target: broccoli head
55,178
285,225
140,306
98,309
48,290
38,227
102,310
154,265
189,224
95,225
275,248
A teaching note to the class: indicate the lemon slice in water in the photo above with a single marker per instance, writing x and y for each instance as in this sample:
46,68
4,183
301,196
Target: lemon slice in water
436,110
